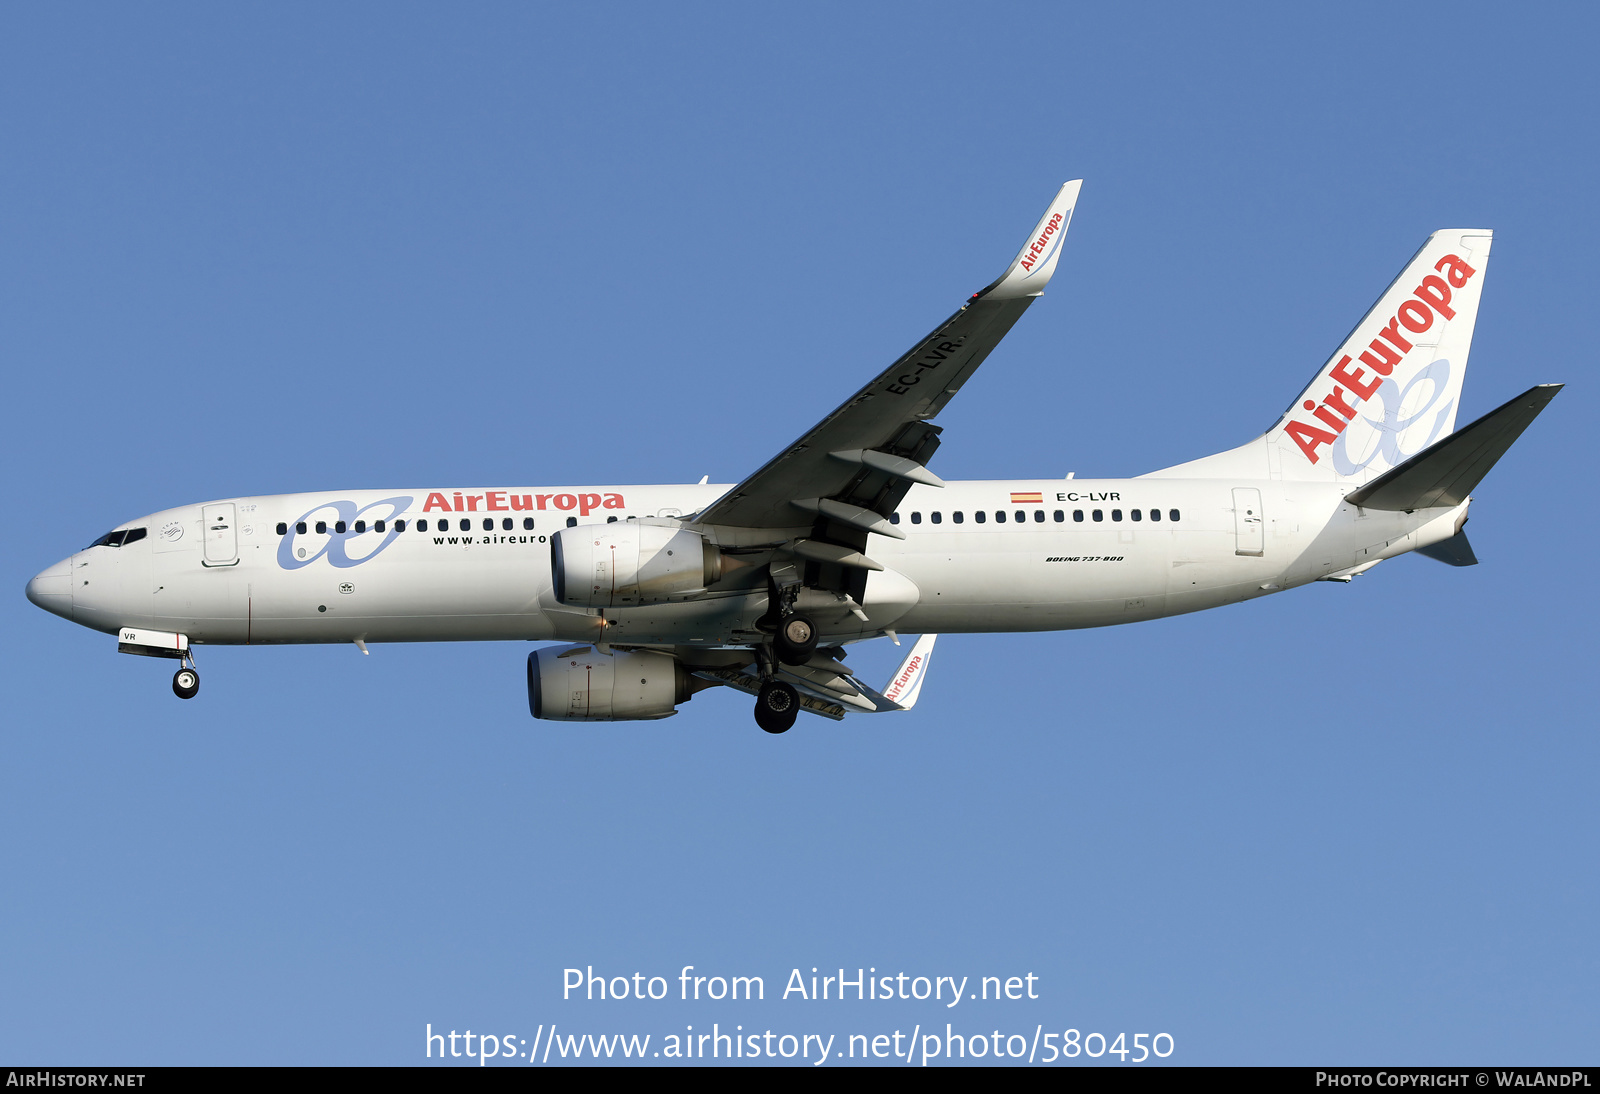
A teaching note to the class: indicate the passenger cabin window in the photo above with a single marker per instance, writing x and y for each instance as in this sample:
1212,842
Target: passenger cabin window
1060,516
1077,515
505,524
338,526
1038,516
1155,514
1020,515
422,525
609,520
937,517
378,526
283,529
980,516
958,516
572,522
1135,515
1098,514
1172,515
916,518
1116,515
527,523
361,526
488,524
999,516
300,528
322,527
399,526
466,524
894,518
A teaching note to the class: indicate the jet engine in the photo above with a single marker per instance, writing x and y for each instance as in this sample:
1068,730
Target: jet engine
629,563
581,684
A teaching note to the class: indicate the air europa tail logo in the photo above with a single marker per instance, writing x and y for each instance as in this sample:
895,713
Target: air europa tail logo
1338,408
1040,250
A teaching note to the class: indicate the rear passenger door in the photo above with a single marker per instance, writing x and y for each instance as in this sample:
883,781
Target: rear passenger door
1248,526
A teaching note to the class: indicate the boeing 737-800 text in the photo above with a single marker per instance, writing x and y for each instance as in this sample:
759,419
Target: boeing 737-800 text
652,593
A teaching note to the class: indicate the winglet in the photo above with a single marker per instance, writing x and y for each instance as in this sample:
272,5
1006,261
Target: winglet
906,683
1030,271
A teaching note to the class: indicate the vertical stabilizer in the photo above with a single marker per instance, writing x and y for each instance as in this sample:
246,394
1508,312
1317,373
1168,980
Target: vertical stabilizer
1389,391
1393,387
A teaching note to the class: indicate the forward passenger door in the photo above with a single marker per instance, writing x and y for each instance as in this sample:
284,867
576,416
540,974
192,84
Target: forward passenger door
221,534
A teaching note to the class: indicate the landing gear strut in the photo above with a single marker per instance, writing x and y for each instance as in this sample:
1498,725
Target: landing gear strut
186,683
777,706
794,640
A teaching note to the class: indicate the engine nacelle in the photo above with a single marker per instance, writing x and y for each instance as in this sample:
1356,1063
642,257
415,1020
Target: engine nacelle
630,563
581,684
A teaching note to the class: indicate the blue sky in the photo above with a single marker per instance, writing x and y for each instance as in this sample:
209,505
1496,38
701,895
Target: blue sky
267,248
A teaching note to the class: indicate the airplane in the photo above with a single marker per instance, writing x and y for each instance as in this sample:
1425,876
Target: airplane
843,536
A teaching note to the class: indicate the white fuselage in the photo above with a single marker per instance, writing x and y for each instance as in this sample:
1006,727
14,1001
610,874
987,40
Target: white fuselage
223,573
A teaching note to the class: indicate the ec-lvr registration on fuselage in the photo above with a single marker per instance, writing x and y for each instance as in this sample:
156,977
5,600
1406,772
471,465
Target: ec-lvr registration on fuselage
652,593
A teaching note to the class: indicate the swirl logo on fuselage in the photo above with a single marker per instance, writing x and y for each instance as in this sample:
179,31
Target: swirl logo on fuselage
342,549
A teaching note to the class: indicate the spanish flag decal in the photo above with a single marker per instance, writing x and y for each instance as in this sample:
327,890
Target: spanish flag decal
1034,498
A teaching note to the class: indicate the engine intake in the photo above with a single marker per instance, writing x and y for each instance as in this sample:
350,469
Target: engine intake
581,684
629,563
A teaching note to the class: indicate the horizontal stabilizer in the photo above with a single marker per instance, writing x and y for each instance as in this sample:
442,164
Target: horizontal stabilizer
1455,551
1444,473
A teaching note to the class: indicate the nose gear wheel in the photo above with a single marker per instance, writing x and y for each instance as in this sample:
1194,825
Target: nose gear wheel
186,683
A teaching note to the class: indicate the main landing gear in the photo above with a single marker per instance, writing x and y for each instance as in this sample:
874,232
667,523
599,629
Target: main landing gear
794,640
777,706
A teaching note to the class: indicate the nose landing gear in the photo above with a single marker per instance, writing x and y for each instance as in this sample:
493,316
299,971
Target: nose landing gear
186,683
143,643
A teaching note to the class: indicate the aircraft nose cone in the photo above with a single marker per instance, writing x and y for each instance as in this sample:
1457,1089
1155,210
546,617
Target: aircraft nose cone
51,589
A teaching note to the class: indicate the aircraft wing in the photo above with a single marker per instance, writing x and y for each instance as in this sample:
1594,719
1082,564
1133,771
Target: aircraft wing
856,464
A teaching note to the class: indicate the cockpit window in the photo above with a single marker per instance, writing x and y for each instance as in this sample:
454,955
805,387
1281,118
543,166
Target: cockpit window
120,538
